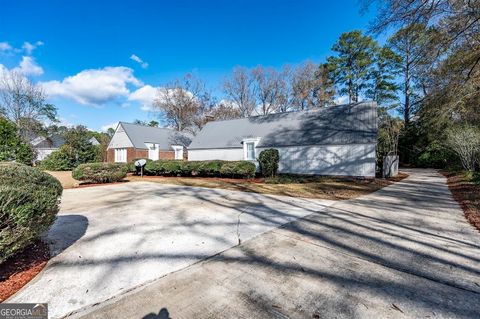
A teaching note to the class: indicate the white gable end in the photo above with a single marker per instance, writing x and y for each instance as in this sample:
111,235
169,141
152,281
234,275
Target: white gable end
120,139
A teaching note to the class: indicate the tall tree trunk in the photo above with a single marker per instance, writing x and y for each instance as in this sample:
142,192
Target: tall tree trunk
406,110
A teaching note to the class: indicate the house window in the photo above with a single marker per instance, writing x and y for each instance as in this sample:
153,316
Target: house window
120,155
250,151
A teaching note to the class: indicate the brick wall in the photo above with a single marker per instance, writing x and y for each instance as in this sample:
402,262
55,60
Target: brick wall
110,155
169,155
132,153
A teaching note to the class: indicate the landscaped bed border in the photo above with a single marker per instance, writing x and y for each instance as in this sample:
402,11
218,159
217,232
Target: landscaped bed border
467,194
19,269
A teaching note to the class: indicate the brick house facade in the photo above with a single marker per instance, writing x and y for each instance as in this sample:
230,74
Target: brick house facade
132,141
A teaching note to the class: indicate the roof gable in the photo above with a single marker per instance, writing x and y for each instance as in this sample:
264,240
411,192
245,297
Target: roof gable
140,134
342,124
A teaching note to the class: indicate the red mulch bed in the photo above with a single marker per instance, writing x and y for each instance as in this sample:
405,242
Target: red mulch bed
467,194
17,271
87,184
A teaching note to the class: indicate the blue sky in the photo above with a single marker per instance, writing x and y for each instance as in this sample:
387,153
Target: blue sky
81,51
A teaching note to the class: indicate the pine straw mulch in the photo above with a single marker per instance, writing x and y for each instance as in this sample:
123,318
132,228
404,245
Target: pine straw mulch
467,193
19,269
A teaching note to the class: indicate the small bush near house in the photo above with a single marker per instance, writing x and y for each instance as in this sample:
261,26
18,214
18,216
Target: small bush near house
100,172
164,168
61,160
238,169
268,160
210,168
131,166
29,203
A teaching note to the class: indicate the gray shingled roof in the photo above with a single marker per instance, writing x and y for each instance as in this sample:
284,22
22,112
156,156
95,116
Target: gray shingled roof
341,124
140,134
54,141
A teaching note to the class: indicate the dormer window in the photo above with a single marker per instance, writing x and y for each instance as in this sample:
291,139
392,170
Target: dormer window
249,148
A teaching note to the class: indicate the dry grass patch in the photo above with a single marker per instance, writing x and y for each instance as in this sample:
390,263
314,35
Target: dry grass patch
65,178
308,187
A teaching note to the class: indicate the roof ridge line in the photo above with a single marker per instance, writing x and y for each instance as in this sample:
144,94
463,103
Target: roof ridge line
291,112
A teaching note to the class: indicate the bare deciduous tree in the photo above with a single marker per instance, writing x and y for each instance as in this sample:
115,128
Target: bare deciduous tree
184,103
271,89
239,88
24,102
465,142
310,87
225,110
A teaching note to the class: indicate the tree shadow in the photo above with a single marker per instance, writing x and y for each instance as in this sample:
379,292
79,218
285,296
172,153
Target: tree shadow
66,230
162,314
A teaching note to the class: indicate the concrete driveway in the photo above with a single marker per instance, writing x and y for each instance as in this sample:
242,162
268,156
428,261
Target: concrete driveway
405,251
111,239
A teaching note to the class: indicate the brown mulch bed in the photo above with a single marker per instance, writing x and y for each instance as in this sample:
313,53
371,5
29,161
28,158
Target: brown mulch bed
18,270
467,194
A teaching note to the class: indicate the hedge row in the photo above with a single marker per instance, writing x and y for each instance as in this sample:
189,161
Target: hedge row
216,168
29,203
100,172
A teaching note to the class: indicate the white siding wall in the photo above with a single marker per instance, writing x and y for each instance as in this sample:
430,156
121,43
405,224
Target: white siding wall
226,154
120,139
42,153
342,160
346,160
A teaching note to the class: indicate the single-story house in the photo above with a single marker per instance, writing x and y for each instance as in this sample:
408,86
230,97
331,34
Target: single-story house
132,141
336,140
44,146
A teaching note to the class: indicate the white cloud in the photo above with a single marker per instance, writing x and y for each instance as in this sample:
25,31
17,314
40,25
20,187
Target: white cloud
29,47
341,100
28,66
105,127
5,46
145,96
94,86
228,103
137,59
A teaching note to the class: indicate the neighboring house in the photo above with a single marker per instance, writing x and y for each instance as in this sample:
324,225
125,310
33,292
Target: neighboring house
336,140
94,141
44,146
132,141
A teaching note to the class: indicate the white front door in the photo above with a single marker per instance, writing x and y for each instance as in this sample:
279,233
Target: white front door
152,151
120,155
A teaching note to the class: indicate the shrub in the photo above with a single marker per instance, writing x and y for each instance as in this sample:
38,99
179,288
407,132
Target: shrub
242,169
13,148
61,160
164,167
268,160
131,168
100,172
210,168
465,142
436,156
29,203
